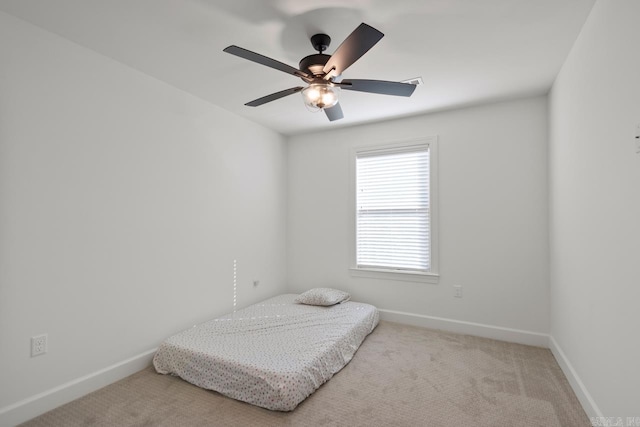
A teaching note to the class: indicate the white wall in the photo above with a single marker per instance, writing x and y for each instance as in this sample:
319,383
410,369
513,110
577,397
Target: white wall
595,210
493,215
123,203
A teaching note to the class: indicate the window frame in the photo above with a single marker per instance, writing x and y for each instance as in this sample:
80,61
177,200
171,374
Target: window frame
432,276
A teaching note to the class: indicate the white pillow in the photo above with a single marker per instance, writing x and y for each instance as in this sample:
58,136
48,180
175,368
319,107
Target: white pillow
322,296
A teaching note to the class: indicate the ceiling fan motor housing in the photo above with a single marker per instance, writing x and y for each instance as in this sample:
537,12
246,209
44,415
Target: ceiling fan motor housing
314,64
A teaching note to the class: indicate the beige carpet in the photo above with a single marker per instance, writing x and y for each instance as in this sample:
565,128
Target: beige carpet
400,376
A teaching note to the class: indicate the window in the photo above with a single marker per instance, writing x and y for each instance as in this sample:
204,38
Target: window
394,198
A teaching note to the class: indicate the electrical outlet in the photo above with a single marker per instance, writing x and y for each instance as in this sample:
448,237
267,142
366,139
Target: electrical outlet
38,345
457,291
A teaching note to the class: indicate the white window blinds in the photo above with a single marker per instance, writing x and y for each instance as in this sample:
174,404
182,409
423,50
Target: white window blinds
392,209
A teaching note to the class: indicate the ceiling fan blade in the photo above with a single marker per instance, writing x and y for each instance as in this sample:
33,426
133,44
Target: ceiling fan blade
352,48
378,86
273,96
334,113
264,60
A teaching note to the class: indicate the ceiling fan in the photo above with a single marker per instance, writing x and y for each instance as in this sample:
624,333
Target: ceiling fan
323,73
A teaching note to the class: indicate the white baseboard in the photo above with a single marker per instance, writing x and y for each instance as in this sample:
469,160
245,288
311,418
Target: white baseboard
469,328
40,403
576,383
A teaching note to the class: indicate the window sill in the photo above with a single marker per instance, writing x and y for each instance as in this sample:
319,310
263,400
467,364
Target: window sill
405,276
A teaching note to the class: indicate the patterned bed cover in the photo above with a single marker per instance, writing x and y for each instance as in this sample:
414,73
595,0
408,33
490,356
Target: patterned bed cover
272,354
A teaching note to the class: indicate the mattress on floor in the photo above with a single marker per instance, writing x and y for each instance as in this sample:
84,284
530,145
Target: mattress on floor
272,354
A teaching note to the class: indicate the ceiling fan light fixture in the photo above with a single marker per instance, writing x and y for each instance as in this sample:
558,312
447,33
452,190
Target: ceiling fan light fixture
323,73
318,96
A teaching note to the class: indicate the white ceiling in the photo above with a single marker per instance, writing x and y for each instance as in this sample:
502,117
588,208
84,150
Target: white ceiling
466,51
